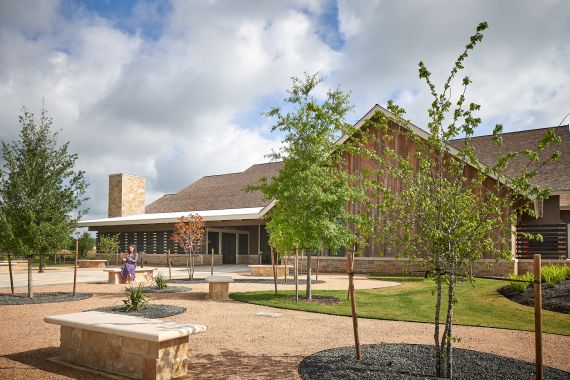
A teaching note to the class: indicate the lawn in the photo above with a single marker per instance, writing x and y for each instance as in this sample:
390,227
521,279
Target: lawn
414,300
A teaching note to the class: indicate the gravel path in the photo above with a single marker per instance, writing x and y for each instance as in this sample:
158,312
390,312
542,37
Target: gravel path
413,362
169,289
23,299
239,344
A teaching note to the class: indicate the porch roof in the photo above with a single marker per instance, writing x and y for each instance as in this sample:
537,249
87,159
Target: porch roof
252,213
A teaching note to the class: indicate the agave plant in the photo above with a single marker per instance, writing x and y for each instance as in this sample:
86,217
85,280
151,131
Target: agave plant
136,298
160,281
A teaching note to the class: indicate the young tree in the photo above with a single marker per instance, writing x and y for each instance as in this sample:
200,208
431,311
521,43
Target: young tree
452,210
109,246
190,234
40,192
85,243
313,188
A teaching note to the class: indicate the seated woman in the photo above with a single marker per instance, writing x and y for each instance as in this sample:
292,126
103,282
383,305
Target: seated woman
128,271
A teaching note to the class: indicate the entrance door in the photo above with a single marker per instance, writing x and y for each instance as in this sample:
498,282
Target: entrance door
229,248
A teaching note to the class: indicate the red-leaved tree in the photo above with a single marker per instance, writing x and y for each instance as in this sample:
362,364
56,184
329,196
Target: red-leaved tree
190,234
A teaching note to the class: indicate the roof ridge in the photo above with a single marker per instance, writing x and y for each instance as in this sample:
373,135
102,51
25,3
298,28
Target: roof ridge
509,133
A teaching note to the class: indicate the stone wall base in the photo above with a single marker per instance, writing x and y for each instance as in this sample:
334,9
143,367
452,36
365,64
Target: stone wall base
390,265
134,358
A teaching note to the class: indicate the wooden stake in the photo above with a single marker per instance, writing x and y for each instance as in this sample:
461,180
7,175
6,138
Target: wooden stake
168,262
274,269
353,304
296,275
285,268
538,316
212,265
75,267
10,270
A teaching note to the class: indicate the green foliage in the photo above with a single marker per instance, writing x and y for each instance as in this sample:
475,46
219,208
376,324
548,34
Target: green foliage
311,190
160,281
85,243
552,274
521,286
108,245
136,298
40,191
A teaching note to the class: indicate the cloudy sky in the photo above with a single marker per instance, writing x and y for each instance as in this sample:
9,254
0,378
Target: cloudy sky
174,90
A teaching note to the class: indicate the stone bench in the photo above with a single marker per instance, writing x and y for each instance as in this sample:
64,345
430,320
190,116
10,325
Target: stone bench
267,270
219,287
123,345
91,263
142,274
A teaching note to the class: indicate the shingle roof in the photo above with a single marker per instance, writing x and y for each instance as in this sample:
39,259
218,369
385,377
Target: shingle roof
218,192
555,175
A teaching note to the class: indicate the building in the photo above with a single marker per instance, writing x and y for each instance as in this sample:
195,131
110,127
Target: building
234,217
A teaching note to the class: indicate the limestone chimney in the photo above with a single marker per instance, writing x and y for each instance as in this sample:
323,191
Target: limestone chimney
126,195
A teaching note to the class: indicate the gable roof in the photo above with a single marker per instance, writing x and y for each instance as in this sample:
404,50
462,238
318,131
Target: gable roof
217,192
555,174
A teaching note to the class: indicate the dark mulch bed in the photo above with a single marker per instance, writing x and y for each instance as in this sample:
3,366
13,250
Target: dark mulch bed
554,299
327,300
148,311
247,281
23,299
169,289
412,361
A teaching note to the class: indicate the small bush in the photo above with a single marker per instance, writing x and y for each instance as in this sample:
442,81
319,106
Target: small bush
136,299
160,281
553,274
521,286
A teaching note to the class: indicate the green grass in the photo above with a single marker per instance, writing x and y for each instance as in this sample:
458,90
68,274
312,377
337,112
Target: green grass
414,301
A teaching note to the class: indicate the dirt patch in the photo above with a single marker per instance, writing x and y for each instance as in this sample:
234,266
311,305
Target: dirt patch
326,300
553,299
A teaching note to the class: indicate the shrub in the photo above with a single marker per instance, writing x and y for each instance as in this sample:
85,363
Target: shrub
521,286
553,274
136,299
160,281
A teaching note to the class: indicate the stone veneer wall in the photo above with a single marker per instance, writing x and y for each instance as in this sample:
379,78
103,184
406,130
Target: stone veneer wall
126,195
389,265
124,356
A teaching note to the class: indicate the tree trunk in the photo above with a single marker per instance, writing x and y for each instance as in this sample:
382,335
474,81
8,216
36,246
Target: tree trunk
309,291
30,283
350,268
448,327
10,270
41,265
438,354
188,266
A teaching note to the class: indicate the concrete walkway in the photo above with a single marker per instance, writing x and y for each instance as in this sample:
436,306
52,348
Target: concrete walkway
64,275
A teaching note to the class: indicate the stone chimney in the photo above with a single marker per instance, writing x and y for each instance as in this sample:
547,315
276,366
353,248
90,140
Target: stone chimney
126,195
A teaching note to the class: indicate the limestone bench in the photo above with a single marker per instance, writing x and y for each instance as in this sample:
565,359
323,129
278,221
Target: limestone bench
123,345
219,287
142,274
91,263
267,270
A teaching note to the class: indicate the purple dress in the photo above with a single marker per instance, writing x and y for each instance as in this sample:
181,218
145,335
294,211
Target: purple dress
128,272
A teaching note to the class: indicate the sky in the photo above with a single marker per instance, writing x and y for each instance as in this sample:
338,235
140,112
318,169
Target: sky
175,90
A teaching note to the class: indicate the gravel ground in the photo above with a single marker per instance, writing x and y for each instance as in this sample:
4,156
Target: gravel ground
169,289
148,311
239,344
554,299
414,361
23,299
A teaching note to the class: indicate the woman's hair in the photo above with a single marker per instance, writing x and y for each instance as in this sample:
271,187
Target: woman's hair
134,247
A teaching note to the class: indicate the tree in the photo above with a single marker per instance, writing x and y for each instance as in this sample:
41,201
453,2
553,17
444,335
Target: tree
109,245
452,210
40,192
313,188
85,243
190,234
